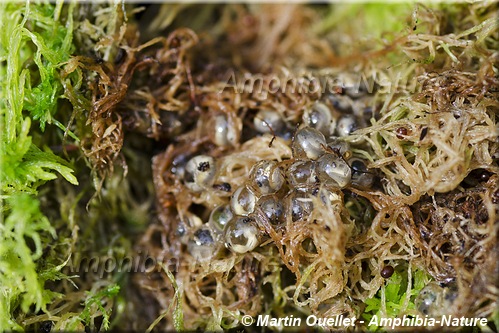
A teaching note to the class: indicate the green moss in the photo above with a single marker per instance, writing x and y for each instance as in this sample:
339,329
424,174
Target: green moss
395,296
25,166
372,20
95,304
34,44
22,235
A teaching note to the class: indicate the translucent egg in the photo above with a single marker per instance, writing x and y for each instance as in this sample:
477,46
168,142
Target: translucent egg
330,198
272,208
299,205
188,221
362,112
361,177
191,220
319,117
241,234
334,171
199,172
266,177
302,173
268,121
202,245
243,201
224,133
219,218
346,125
178,165
429,299
308,143
341,103
340,146
357,90
182,232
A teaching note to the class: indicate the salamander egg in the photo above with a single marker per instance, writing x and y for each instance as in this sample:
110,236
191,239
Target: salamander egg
202,245
199,172
346,125
225,132
241,234
361,177
308,143
266,177
302,173
334,171
268,121
341,147
272,208
219,218
319,117
300,205
243,201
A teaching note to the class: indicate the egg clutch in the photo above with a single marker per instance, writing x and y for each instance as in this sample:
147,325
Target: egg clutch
313,162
